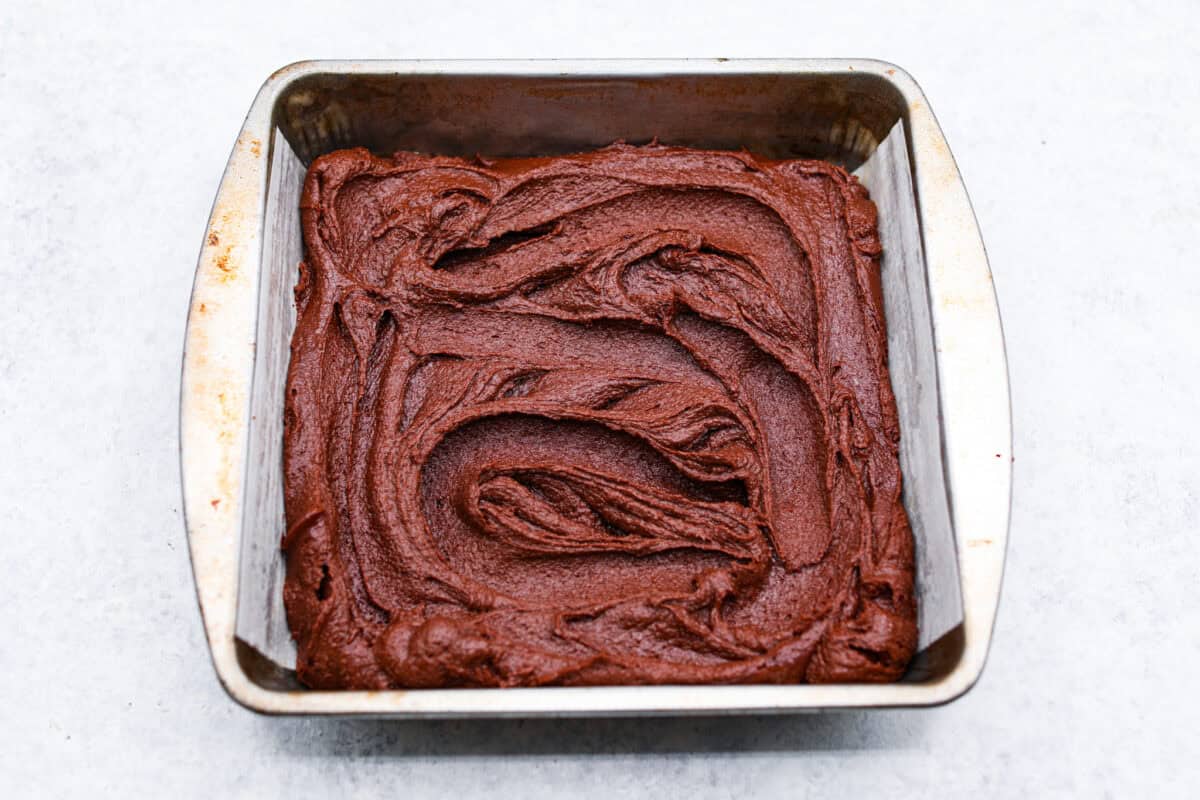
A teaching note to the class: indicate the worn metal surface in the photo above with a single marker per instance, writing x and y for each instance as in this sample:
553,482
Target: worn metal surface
837,109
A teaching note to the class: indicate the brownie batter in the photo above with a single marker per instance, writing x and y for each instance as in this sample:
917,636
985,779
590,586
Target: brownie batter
619,417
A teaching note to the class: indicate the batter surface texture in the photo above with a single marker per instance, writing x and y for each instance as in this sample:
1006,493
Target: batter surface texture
619,417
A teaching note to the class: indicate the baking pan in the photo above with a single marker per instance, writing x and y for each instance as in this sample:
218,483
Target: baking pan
839,110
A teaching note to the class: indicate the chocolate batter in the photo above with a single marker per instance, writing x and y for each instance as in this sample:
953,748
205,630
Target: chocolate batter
619,417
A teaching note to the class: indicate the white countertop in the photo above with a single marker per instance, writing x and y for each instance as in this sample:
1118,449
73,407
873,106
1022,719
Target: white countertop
1076,133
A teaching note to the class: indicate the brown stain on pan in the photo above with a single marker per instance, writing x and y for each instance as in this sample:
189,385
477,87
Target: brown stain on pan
227,262
228,271
287,70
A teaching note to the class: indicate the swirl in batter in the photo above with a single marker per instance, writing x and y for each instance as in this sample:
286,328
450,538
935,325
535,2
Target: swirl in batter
620,417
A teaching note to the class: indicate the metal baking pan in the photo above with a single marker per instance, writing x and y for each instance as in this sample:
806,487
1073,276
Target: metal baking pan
833,109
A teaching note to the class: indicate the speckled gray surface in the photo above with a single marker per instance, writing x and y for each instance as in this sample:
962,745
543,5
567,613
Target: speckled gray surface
1075,131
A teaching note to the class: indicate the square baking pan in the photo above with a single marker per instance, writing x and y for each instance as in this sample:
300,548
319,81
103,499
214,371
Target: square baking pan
838,110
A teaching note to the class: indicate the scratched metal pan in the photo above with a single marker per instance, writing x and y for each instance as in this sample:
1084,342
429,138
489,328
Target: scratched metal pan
833,109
